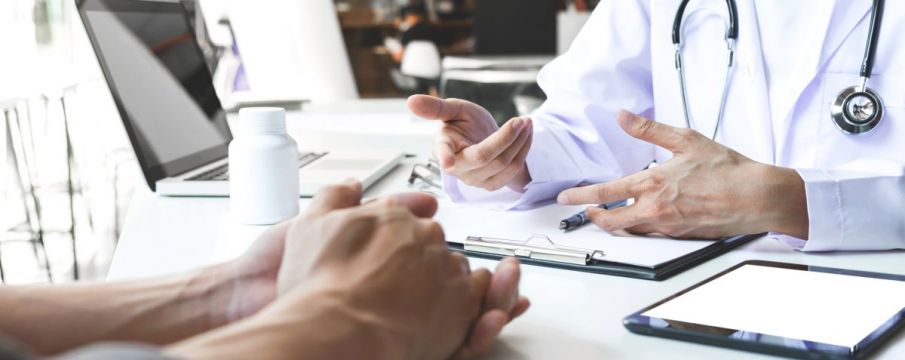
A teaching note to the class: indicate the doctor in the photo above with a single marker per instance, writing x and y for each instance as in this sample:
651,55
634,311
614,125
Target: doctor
808,142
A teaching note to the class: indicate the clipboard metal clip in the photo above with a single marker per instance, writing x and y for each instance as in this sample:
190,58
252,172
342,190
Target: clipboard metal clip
537,247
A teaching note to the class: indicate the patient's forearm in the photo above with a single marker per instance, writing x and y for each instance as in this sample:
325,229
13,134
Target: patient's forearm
51,319
316,325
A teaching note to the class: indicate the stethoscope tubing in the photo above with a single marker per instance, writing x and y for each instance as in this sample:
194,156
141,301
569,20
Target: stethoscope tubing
842,119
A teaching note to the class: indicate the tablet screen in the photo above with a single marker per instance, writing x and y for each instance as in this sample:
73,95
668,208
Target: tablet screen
813,306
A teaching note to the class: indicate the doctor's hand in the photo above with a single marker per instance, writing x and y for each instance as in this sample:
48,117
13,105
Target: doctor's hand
473,148
705,191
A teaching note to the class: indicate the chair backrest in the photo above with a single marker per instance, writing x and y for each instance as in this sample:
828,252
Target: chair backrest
421,60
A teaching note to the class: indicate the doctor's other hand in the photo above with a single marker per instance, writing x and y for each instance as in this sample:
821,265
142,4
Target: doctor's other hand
473,148
705,191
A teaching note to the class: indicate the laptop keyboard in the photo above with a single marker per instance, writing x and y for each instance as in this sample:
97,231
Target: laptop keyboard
221,173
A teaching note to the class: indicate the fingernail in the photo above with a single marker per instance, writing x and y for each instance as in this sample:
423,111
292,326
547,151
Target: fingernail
448,162
353,183
518,123
626,117
562,198
499,322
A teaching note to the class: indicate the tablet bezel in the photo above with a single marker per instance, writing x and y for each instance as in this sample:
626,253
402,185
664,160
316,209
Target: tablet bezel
640,324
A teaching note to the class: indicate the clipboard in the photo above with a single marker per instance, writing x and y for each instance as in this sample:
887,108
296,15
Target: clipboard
591,260
533,237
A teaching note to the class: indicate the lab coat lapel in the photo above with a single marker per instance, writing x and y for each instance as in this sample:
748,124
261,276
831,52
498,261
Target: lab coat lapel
846,16
833,21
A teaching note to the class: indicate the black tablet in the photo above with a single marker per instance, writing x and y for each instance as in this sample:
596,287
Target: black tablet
782,309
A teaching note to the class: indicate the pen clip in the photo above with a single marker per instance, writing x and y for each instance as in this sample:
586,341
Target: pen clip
547,251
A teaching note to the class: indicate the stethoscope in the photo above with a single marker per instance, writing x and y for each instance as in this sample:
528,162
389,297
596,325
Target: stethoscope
857,109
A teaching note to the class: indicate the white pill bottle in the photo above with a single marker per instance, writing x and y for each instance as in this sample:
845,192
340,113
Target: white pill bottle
263,168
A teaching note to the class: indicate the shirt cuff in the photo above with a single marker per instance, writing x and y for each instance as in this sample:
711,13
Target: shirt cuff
790,241
826,222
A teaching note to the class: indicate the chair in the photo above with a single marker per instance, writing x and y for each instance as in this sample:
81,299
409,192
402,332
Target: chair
20,142
422,61
31,229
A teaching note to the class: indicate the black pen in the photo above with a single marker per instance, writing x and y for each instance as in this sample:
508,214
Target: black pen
580,219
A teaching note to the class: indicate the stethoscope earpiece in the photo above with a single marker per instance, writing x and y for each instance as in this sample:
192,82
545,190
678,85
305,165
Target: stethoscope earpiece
857,110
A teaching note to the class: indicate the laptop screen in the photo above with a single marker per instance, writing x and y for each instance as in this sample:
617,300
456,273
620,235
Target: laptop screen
161,84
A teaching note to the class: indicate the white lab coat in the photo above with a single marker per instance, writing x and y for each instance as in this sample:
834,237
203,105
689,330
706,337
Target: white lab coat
623,59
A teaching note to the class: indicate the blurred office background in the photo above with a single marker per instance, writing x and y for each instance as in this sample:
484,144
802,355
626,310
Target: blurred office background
68,171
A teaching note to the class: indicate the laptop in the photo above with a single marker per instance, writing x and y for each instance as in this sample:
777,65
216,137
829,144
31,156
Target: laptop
165,96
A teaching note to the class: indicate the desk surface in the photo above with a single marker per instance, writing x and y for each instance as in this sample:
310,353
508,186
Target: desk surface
574,315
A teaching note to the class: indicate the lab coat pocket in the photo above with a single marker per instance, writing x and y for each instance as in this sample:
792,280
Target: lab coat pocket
886,141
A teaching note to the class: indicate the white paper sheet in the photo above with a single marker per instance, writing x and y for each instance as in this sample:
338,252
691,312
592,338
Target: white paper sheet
813,306
461,221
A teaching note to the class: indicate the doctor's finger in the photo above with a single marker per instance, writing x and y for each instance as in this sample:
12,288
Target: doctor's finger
642,128
512,153
615,219
615,190
515,166
504,159
483,153
445,151
434,108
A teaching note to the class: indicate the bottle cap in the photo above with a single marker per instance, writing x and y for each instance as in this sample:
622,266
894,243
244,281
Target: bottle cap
262,120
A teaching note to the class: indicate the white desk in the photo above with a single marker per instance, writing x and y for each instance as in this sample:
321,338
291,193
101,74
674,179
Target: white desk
573,315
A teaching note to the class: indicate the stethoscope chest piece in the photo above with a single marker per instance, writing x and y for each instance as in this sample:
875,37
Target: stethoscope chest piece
857,110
